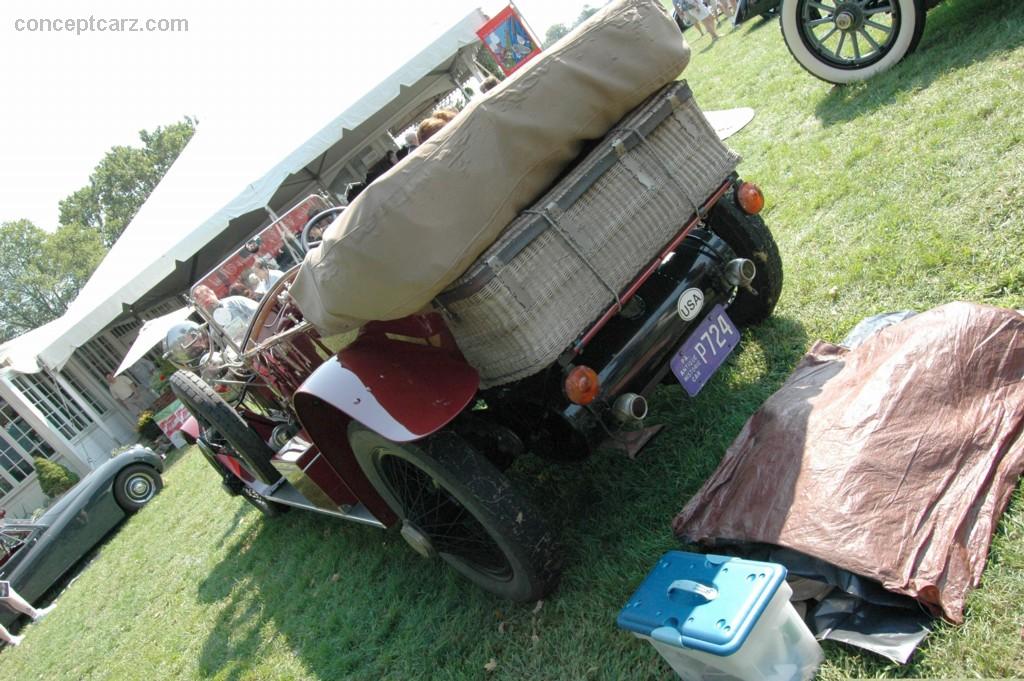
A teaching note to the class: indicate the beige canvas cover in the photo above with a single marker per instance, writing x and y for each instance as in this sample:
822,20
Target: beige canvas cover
893,460
418,227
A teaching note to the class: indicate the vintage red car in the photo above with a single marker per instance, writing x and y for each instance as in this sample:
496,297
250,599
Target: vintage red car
391,426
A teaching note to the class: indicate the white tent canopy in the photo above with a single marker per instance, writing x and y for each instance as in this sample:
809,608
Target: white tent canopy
226,176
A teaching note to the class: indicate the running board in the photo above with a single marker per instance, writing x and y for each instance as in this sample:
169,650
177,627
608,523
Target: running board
285,493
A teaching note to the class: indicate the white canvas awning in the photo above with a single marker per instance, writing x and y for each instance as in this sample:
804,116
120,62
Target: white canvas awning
151,333
216,193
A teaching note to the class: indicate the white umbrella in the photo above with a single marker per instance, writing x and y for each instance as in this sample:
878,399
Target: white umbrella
151,333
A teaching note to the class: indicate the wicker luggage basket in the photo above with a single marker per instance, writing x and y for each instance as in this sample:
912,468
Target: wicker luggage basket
559,265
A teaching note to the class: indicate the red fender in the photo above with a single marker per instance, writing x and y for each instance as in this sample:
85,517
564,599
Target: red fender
400,389
405,379
190,429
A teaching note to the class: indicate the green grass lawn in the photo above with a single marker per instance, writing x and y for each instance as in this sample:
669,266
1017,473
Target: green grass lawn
905,192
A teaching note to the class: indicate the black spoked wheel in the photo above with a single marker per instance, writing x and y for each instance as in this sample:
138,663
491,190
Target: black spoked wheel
213,412
841,41
456,505
136,485
750,238
222,424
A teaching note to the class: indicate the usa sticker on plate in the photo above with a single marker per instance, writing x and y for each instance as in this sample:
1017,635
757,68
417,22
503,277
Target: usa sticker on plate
705,350
690,303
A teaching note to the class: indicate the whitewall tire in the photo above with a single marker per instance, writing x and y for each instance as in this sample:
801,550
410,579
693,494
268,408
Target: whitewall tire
842,41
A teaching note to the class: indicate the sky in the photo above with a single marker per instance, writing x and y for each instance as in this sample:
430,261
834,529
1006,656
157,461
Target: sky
67,97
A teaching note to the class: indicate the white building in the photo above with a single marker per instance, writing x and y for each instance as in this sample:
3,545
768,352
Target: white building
54,399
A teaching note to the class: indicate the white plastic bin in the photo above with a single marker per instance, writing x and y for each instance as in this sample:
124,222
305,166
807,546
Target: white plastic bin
716,617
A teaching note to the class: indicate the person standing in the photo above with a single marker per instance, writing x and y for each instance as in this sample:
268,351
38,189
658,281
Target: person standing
124,390
696,11
10,598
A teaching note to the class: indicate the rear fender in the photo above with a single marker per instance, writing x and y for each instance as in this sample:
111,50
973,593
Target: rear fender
392,382
401,390
403,378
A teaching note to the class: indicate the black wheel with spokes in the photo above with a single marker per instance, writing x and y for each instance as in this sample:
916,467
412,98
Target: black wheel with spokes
214,413
841,41
455,504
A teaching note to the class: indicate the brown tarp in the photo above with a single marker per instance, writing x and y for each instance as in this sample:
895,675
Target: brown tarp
893,461
419,226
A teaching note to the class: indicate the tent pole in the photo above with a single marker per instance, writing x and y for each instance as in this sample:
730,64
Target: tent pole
533,34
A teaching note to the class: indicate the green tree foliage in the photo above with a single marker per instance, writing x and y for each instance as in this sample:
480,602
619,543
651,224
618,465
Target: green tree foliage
554,34
486,60
54,478
585,14
123,180
41,273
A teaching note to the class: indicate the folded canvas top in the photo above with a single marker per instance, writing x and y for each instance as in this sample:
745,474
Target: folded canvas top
418,227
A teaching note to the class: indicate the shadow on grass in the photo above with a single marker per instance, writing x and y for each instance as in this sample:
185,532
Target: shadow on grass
352,601
347,601
957,33
757,23
174,456
621,508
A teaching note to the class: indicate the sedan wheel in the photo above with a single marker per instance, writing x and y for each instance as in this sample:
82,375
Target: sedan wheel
841,41
135,486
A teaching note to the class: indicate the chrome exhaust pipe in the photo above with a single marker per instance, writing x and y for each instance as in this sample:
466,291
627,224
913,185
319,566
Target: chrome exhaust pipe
630,407
740,272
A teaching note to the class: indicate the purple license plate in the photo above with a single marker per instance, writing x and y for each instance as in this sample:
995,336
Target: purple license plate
705,350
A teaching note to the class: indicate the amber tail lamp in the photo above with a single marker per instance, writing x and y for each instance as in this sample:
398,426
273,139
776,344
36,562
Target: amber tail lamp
750,197
582,385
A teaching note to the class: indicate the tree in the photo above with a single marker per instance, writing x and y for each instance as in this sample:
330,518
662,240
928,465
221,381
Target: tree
41,273
585,14
123,180
554,34
54,479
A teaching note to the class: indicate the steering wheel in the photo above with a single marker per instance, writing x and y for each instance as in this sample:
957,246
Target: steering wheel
270,304
311,242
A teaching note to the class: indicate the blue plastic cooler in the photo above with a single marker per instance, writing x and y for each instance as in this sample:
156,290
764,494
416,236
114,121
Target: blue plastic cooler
716,617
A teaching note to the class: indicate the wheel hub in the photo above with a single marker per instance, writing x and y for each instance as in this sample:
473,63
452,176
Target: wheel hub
848,17
419,541
139,488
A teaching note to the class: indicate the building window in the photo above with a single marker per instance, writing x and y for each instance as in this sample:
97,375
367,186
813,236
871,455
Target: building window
99,356
18,444
21,434
12,462
55,404
98,406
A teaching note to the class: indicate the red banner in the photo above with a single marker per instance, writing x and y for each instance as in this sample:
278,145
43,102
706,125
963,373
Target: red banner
508,40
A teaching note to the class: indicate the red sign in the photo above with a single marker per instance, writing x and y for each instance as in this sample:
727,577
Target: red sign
172,417
508,40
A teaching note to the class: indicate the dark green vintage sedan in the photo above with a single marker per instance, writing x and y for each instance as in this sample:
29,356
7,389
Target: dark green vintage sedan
35,554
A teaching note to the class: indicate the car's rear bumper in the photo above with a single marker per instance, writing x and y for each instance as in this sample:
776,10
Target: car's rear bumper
631,355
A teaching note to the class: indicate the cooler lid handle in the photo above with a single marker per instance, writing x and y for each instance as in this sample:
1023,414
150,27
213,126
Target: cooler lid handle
708,593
